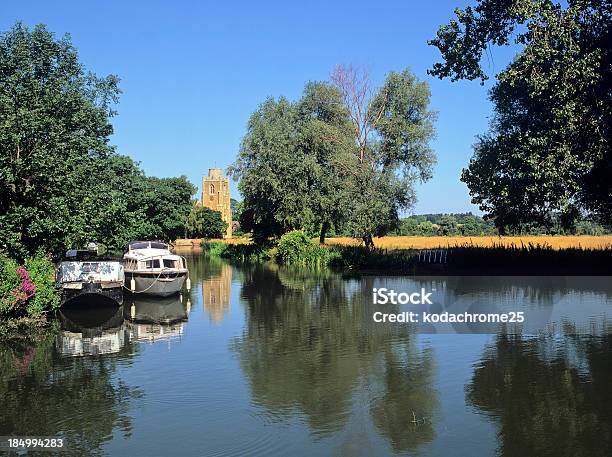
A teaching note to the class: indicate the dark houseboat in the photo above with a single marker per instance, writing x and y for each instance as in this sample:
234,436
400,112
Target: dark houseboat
88,279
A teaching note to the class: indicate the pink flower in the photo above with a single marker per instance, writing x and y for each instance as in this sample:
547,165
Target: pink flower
27,286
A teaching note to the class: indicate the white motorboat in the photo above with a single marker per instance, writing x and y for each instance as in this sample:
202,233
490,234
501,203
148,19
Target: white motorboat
151,269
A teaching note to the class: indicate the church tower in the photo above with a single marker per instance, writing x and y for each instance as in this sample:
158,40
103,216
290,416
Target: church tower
216,196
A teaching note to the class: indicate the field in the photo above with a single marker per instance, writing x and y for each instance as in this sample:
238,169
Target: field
431,242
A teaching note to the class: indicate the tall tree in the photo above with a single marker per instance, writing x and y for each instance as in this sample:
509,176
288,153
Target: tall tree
291,161
61,183
54,119
547,151
392,130
326,136
274,172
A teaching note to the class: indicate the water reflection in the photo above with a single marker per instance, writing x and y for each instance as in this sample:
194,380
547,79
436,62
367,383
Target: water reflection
156,318
216,293
310,348
405,412
77,398
292,358
91,331
549,396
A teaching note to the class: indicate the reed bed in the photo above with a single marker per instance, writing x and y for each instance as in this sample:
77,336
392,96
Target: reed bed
556,242
525,259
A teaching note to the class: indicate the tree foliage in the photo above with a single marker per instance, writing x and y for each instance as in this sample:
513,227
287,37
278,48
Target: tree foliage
392,130
290,161
342,157
204,222
61,183
547,151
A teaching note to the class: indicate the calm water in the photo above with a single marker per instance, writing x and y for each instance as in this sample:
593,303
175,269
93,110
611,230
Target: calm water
261,360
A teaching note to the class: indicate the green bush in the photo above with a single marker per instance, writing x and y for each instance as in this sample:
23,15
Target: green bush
10,282
246,252
42,273
27,290
293,247
297,248
237,252
213,247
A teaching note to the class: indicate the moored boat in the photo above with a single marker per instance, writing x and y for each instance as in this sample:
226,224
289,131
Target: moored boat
151,269
88,279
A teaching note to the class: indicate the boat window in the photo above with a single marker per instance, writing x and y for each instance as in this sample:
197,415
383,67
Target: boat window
152,263
139,245
156,245
169,263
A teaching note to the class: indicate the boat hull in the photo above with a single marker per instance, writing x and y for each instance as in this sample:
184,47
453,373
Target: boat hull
92,294
155,283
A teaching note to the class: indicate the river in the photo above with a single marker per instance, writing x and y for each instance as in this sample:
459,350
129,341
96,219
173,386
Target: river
264,360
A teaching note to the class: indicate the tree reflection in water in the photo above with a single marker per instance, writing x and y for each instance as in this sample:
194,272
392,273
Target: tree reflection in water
310,346
404,413
551,396
77,398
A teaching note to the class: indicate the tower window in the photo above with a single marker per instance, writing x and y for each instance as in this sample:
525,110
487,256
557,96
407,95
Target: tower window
212,188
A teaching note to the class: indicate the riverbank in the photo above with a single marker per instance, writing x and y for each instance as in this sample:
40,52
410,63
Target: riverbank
481,256
435,242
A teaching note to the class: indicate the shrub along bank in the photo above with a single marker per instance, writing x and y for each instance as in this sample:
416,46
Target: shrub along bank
27,290
293,248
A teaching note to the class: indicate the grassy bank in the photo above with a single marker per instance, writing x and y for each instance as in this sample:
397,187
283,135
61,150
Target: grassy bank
479,255
476,260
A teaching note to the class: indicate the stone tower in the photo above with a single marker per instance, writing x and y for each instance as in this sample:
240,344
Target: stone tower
216,196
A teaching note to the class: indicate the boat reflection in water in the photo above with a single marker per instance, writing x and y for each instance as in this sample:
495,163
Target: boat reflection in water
91,331
155,318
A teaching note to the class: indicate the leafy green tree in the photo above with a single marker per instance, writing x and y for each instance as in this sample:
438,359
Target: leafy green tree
204,222
339,157
61,184
447,225
426,228
168,204
273,172
547,151
290,163
392,130
54,122
326,135
471,226
236,207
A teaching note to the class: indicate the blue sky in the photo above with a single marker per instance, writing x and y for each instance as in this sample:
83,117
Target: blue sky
192,72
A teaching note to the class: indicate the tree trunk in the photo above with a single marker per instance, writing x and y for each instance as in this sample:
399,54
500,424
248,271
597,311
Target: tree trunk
368,242
324,229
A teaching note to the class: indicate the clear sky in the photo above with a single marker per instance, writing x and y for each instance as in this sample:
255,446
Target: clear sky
192,72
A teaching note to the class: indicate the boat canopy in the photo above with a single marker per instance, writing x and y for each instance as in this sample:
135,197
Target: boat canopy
147,245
